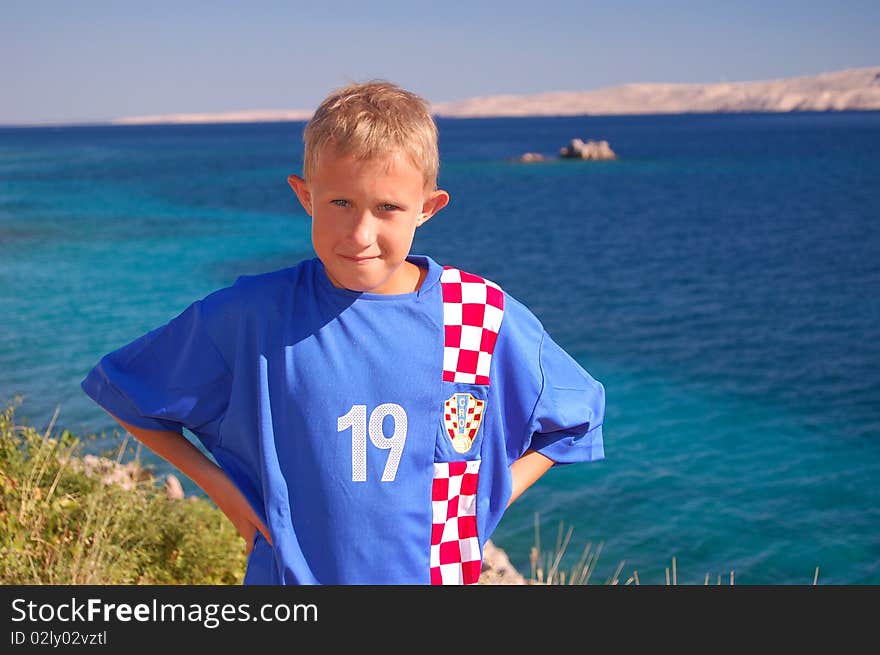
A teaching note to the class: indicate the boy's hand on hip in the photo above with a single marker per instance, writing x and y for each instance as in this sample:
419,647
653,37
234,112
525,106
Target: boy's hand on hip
176,449
237,509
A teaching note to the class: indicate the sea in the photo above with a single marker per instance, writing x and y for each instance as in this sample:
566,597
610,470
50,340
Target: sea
721,278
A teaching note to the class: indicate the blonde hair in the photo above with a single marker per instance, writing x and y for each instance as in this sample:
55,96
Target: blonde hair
373,119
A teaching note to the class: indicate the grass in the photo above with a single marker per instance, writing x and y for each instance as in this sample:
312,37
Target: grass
59,525
546,565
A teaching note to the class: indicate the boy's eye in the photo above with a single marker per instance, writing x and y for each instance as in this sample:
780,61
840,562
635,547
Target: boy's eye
385,206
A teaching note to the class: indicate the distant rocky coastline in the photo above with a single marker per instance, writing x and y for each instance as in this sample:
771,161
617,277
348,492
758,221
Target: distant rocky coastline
849,90
856,89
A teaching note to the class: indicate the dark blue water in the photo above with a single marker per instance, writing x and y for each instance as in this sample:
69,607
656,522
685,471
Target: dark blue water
720,278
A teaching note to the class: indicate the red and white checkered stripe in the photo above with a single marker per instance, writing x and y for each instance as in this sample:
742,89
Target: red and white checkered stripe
455,549
473,308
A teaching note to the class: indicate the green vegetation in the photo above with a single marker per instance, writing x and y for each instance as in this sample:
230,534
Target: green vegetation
59,525
547,569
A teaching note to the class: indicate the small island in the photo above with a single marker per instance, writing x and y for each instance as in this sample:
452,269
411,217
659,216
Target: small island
576,149
594,150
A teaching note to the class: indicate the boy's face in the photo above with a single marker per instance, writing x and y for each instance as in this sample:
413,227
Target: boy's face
364,217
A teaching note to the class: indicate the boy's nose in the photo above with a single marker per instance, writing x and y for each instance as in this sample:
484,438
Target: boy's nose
363,231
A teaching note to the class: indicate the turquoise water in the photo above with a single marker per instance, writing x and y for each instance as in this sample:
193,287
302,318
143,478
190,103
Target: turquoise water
720,278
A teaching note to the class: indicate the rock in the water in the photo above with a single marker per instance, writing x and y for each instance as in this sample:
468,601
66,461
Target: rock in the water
531,156
595,150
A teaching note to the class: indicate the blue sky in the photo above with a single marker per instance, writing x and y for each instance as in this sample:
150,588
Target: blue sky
66,61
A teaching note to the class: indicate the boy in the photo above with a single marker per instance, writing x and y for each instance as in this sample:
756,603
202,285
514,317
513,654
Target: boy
372,412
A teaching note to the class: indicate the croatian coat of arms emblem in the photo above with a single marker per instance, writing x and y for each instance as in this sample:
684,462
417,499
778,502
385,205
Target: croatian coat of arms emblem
462,414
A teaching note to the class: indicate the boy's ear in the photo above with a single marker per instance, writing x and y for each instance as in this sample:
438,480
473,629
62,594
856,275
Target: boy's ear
301,188
436,201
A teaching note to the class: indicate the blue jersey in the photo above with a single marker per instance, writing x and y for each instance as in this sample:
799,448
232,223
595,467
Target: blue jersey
373,434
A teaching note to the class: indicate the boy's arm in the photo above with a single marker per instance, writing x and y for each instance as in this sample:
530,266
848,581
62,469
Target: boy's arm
177,449
526,470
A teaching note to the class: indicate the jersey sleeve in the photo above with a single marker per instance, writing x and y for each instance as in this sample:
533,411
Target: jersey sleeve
170,378
566,424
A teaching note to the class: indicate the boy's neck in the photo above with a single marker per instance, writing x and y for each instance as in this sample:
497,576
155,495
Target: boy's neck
411,276
414,275
423,273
